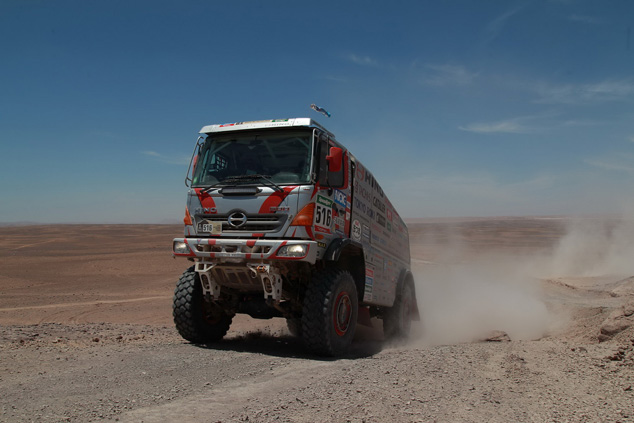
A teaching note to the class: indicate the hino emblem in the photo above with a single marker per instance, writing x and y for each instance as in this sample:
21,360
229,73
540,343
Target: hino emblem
237,219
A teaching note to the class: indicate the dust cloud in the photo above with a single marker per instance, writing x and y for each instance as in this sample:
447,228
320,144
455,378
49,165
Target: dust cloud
596,247
464,294
467,301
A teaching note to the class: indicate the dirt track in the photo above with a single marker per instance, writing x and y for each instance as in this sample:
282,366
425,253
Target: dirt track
86,334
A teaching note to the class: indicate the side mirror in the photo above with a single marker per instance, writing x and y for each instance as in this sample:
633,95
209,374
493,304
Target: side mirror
335,159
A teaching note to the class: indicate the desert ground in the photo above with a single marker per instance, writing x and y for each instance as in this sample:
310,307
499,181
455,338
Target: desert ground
522,320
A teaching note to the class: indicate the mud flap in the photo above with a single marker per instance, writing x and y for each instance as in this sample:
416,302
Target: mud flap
363,317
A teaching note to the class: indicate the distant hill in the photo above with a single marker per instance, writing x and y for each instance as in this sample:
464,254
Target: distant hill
25,223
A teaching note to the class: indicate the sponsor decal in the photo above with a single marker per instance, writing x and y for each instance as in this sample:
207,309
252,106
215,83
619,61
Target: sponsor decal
369,179
364,208
366,233
323,214
356,230
324,201
379,204
341,198
364,193
321,244
380,219
321,229
369,284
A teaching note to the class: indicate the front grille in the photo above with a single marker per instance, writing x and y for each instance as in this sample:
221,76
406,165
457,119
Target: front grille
254,223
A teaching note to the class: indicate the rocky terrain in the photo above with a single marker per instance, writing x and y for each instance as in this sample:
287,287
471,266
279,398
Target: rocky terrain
523,319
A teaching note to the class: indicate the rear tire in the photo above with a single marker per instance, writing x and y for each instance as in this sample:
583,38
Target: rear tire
197,320
397,320
330,312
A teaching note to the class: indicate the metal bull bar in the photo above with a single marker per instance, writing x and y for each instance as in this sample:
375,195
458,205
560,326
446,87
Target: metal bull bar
269,277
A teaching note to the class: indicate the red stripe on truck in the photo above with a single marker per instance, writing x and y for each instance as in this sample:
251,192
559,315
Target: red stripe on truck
275,199
205,199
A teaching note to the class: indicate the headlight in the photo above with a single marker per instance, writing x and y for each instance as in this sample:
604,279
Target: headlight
296,250
181,247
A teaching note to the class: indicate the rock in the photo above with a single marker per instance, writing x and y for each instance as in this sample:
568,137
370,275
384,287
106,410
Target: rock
498,336
617,322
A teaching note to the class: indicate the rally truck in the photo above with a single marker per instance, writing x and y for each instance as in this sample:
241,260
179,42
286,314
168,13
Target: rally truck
283,221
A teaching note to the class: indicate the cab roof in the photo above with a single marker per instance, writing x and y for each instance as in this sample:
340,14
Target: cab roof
261,124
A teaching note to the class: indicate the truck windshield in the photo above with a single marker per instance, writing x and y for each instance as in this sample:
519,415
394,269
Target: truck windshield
282,157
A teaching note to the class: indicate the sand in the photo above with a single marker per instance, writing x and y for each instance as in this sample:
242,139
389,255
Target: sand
523,319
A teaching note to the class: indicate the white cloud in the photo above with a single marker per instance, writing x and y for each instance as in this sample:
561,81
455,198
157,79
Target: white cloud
586,19
180,160
448,75
334,78
608,90
508,127
495,27
516,125
579,122
622,163
361,60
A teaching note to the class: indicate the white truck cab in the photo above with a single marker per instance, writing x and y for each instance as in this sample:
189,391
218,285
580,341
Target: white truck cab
282,221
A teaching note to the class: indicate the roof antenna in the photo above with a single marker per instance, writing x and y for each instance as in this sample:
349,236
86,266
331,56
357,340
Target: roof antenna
319,110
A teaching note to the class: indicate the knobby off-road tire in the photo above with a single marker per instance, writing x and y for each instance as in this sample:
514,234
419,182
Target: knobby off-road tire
397,320
196,320
330,312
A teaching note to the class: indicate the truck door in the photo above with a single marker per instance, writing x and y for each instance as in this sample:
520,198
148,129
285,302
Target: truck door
334,193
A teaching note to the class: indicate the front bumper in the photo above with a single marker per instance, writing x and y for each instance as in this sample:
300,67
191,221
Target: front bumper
239,250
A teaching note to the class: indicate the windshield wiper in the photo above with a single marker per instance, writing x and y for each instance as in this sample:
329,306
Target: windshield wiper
255,177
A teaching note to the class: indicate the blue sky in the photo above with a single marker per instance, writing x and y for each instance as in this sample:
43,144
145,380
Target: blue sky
459,108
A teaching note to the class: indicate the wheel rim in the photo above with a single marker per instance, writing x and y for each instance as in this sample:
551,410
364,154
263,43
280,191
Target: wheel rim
342,313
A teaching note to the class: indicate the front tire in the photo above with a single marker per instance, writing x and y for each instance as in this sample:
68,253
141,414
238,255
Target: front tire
197,320
330,312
